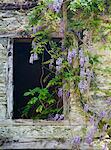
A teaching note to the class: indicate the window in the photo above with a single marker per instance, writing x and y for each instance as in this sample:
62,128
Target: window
25,75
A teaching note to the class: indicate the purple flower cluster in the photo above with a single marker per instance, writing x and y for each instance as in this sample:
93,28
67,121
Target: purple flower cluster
56,5
36,29
88,74
83,86
58,64
76,140
91,119
105,147
102,114
108,101
68,94
56,117
85,73
82,61
81,54
51,63
71,54
33,57
90,135
86,107
33,45
59,61
82,73
60,92
89,139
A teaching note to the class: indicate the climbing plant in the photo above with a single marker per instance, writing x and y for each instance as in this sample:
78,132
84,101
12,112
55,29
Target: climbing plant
83,25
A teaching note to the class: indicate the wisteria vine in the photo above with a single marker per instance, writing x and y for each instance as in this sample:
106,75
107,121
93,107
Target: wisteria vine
70,19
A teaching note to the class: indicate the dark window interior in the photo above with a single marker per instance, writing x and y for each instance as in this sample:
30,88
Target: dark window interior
25,75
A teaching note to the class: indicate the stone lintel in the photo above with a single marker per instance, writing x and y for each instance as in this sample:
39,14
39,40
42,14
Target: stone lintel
17,6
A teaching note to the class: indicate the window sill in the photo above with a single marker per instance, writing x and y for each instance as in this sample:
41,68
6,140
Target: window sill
30,122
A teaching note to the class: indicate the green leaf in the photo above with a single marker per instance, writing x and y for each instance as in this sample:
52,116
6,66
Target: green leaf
33,101
50,101
27,93
39,109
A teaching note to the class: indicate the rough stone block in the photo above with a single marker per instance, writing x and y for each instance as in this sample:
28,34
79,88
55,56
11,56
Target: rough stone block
2,111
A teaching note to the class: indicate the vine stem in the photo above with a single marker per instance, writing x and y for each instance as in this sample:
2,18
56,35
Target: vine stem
41,78
65,101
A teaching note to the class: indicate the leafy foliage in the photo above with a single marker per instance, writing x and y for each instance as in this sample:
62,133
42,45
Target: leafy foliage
41,102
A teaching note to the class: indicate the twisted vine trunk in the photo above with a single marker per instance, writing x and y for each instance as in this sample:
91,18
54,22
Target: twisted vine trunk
76,113
65,100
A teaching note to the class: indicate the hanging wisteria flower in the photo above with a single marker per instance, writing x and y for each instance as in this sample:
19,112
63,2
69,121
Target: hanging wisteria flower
83,86
108,101
56,117
58,64
81,54
60,92
76,140
68,94
82,72
89,139
61,117
56,5
105,147
90,135
91,119
33,45
59,61
39,28
102,114
86,107
31,59
63,48
74,53
69,57
35,56
89,76
82,61
34,30
88,73
71,54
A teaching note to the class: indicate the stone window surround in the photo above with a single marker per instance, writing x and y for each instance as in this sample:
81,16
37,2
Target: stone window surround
10,86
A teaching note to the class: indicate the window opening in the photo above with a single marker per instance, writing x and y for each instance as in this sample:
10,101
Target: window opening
27,76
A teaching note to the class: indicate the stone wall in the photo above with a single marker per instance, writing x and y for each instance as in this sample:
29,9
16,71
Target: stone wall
11,1
3,67
12,22
29,133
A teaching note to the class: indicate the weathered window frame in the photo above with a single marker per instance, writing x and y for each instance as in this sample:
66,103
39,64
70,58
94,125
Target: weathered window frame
10,78
10,85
